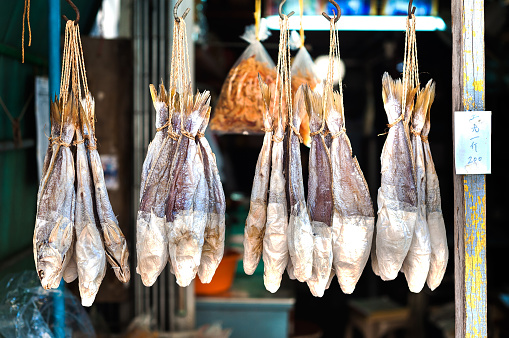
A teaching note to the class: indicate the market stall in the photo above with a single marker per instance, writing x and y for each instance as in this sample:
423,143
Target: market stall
197,181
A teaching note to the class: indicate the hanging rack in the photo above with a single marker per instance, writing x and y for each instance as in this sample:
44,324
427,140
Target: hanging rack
280,10
338,10
75,9
175,11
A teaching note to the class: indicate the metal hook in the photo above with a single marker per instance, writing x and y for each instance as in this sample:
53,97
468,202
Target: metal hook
175,11
411,10
281,10
75,9
338,11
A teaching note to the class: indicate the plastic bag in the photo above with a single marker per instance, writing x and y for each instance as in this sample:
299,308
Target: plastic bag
240,105
28,310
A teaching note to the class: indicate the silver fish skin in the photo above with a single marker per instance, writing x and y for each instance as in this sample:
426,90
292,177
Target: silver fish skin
300,233
320,198
434,215
54,225
187,202
115,243
161,108
254,229
397,197
275,242
89,249
213,245
417,262
353,217
151,226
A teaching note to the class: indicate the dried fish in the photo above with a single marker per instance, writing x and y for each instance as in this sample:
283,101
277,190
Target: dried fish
115,243
416,264
300,233
186,209
257,216
160,103
275,243
90,255
397,197
71,269
353,216
434,216
213,246
54,225
151,227
320,197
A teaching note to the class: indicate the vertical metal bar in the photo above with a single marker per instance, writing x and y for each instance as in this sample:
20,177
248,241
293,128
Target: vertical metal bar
469,190
138,292
54,64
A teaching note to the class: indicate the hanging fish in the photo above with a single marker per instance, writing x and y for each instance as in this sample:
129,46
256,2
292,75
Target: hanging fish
320,197
213,245
397,197
353,217
115,243
186,208
89,249
434,216
257,216
416,263
54,225
300,233
151,226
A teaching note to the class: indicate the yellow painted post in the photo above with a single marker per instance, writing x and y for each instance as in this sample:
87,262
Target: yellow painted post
469,190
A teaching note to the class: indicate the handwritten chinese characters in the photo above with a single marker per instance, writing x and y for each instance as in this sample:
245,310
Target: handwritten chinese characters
472,133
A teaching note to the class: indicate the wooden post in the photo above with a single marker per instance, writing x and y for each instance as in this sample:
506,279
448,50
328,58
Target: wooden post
469,190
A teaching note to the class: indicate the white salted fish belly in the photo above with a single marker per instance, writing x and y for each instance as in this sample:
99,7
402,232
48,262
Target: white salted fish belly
91,263
322,258
417,262
253,235
152,246
213,247
275,247
185,244
439,252
301,250
394,228
351,255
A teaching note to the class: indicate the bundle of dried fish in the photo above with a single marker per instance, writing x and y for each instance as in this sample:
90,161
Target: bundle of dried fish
300,233
397,197
213,246
434,216
115,243
353,217
54,225
320,197
187,207
416,264
151,227
257,216
89,249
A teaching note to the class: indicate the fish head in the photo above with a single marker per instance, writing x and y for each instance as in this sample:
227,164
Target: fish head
49,267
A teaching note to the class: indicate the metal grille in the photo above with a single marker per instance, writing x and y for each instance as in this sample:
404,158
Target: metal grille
171,308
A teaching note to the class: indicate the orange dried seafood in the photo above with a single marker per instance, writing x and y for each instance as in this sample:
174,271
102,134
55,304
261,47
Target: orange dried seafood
240,105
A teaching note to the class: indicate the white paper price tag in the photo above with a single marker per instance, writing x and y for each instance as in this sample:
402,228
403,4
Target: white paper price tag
472,139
